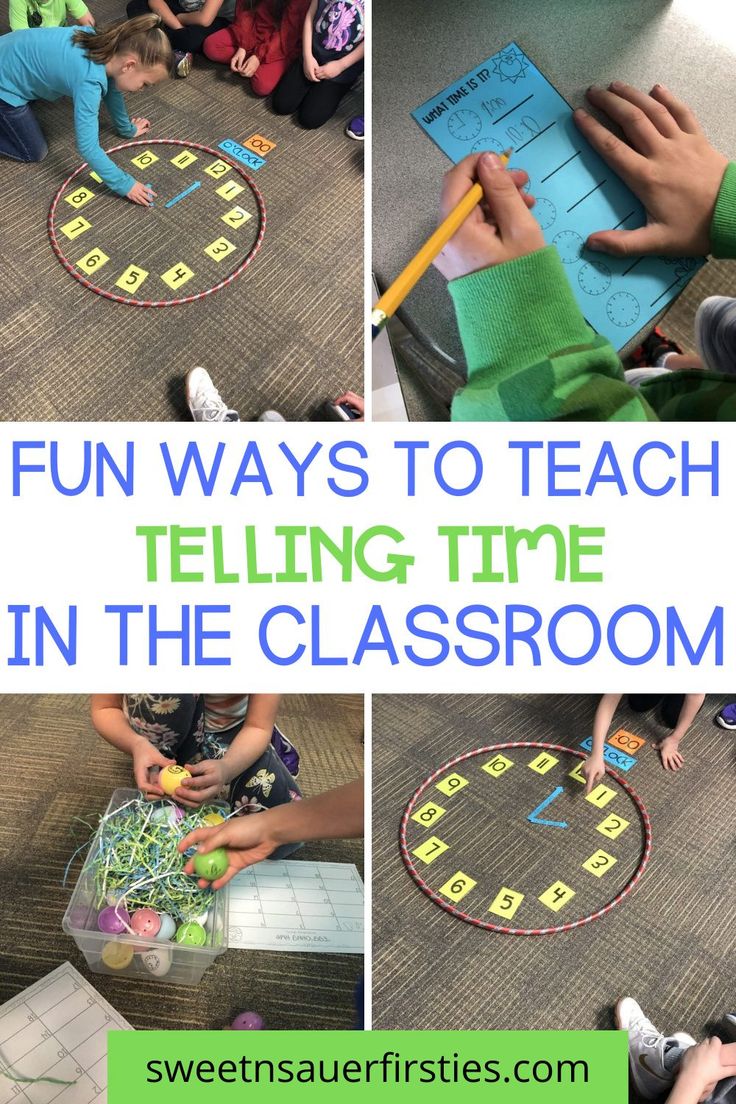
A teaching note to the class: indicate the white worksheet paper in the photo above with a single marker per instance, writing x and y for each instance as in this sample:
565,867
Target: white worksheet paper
57,1028
297,906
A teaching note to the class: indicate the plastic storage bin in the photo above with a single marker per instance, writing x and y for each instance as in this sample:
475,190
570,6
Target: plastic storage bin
167,961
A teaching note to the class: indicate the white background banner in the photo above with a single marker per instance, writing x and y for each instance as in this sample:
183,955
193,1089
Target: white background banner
292,578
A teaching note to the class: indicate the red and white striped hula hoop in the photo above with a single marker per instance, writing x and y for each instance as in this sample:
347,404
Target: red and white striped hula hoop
132,302
449,907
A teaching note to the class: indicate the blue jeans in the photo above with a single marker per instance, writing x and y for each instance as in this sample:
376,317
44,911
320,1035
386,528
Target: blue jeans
20,135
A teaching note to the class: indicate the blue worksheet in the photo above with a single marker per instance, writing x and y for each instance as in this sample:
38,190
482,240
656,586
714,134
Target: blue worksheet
506,103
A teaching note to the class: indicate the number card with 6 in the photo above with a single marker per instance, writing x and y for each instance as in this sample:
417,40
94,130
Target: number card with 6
457,887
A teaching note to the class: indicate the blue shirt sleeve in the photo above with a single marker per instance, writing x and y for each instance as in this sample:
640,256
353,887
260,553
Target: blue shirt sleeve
87,99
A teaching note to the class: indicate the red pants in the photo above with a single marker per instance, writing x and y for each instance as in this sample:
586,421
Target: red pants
221,46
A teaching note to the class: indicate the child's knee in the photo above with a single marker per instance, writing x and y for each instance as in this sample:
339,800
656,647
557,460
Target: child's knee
39,153
263,85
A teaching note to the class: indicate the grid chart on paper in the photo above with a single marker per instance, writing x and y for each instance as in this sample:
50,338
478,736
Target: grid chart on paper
57,1028
298,905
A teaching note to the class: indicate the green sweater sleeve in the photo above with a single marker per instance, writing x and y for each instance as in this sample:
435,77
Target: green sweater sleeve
18,15
723,226
76,8
531,355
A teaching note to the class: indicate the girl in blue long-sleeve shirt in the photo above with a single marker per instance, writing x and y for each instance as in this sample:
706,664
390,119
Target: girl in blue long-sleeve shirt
89,66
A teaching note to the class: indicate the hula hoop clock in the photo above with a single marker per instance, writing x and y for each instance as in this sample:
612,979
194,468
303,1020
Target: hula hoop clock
489,851
208,212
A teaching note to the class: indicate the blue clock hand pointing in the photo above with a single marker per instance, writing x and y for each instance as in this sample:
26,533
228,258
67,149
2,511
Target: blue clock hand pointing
534,817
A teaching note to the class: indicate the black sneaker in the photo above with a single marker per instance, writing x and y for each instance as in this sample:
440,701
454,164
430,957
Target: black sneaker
652,348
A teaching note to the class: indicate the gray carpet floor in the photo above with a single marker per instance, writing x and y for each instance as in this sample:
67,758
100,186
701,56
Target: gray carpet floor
286,334
669,944
61,769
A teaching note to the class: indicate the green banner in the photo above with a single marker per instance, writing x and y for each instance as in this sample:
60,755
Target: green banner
186,1067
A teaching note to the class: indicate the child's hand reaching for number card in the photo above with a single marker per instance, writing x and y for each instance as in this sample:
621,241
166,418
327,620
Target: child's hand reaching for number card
146,756
141,125
207,782
669,751
500,229
142,194
594,769
669,165
247,840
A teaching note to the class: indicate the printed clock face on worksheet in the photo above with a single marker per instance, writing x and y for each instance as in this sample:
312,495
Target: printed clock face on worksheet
206,224
506,837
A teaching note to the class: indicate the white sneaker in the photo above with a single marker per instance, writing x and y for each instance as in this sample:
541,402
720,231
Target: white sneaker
203,399
271,416
647,1047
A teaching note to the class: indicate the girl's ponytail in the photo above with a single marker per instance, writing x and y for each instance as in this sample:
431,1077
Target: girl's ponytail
141,36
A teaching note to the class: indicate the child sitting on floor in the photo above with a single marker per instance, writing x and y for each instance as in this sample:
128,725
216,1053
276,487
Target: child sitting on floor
23,14
187,23
333,47
261,43
229,743
676,1064
678,713
89,66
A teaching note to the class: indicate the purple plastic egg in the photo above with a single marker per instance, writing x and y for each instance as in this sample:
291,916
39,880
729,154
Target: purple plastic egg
145,921
247,1021
113,920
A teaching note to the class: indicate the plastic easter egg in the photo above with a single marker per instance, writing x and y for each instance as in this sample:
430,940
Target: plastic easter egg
211,820
145,921
202,918
117,956
167,930
247,1021
113,920
212,865
170,778
157,961
191,934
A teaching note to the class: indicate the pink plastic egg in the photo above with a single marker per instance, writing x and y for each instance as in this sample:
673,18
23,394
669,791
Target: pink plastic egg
247,1021
145,921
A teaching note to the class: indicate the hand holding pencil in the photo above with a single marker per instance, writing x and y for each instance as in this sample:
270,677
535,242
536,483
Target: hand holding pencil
486,221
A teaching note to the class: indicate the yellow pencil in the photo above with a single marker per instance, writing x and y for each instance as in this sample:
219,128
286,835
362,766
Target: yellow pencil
394,296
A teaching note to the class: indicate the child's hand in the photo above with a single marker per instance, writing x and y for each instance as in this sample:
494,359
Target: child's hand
498,230
141,125
86,20
351,399
247,840
704,1065
594,769
142,194
145,757
668,749
311,68
251,66
329,71
237,61
207,782
672,168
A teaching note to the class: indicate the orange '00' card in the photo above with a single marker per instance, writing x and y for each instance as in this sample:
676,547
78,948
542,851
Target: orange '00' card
627,741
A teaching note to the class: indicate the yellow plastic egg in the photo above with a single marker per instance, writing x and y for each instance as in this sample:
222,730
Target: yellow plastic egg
170,778
117,956
212,820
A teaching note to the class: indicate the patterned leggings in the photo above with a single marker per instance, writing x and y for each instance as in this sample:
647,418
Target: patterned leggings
174,723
